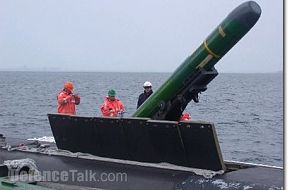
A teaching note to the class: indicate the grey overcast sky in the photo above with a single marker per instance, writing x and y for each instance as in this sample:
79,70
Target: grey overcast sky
128,35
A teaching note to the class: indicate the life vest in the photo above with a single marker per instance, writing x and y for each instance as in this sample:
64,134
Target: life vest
66,103
111,108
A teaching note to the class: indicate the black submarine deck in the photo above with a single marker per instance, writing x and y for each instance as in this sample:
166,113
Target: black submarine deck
139,175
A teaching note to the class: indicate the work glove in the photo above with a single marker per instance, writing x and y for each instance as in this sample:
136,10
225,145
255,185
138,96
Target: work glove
77,99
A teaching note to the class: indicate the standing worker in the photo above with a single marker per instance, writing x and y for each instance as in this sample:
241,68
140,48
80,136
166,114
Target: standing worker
185,116
147,92
112,106
67,100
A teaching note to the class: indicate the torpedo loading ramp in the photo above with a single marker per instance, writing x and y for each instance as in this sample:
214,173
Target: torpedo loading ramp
189,144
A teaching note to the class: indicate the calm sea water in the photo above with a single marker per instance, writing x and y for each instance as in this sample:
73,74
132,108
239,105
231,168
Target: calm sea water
247,109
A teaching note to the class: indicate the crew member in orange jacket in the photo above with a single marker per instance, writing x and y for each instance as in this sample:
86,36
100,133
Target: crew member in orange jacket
67,100
185,116
112,106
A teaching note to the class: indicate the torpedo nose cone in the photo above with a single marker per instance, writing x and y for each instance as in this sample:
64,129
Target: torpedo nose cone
246,14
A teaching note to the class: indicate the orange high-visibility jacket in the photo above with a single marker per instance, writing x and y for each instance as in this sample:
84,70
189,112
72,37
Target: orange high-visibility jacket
185,117
66,103
112,108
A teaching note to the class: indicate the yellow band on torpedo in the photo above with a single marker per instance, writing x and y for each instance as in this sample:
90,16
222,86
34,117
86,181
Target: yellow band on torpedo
205,61
221,31
209,51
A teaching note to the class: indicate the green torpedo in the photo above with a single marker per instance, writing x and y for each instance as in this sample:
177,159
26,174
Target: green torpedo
212,49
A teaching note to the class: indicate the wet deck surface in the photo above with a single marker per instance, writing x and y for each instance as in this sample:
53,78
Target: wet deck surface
138,176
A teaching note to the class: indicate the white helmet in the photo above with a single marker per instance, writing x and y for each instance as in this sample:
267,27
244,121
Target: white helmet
147,84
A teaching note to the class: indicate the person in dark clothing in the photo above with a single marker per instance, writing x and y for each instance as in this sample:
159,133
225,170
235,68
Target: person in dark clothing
147,92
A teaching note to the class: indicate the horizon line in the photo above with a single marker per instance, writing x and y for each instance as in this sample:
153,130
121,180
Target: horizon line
84,71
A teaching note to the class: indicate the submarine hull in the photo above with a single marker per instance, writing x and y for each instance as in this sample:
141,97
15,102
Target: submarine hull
136,175
149,154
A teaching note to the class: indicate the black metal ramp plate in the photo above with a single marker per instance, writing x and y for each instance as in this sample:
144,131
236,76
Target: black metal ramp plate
111,138
154,141
140,146
73,133
201,145
190,144
167,142
100,136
